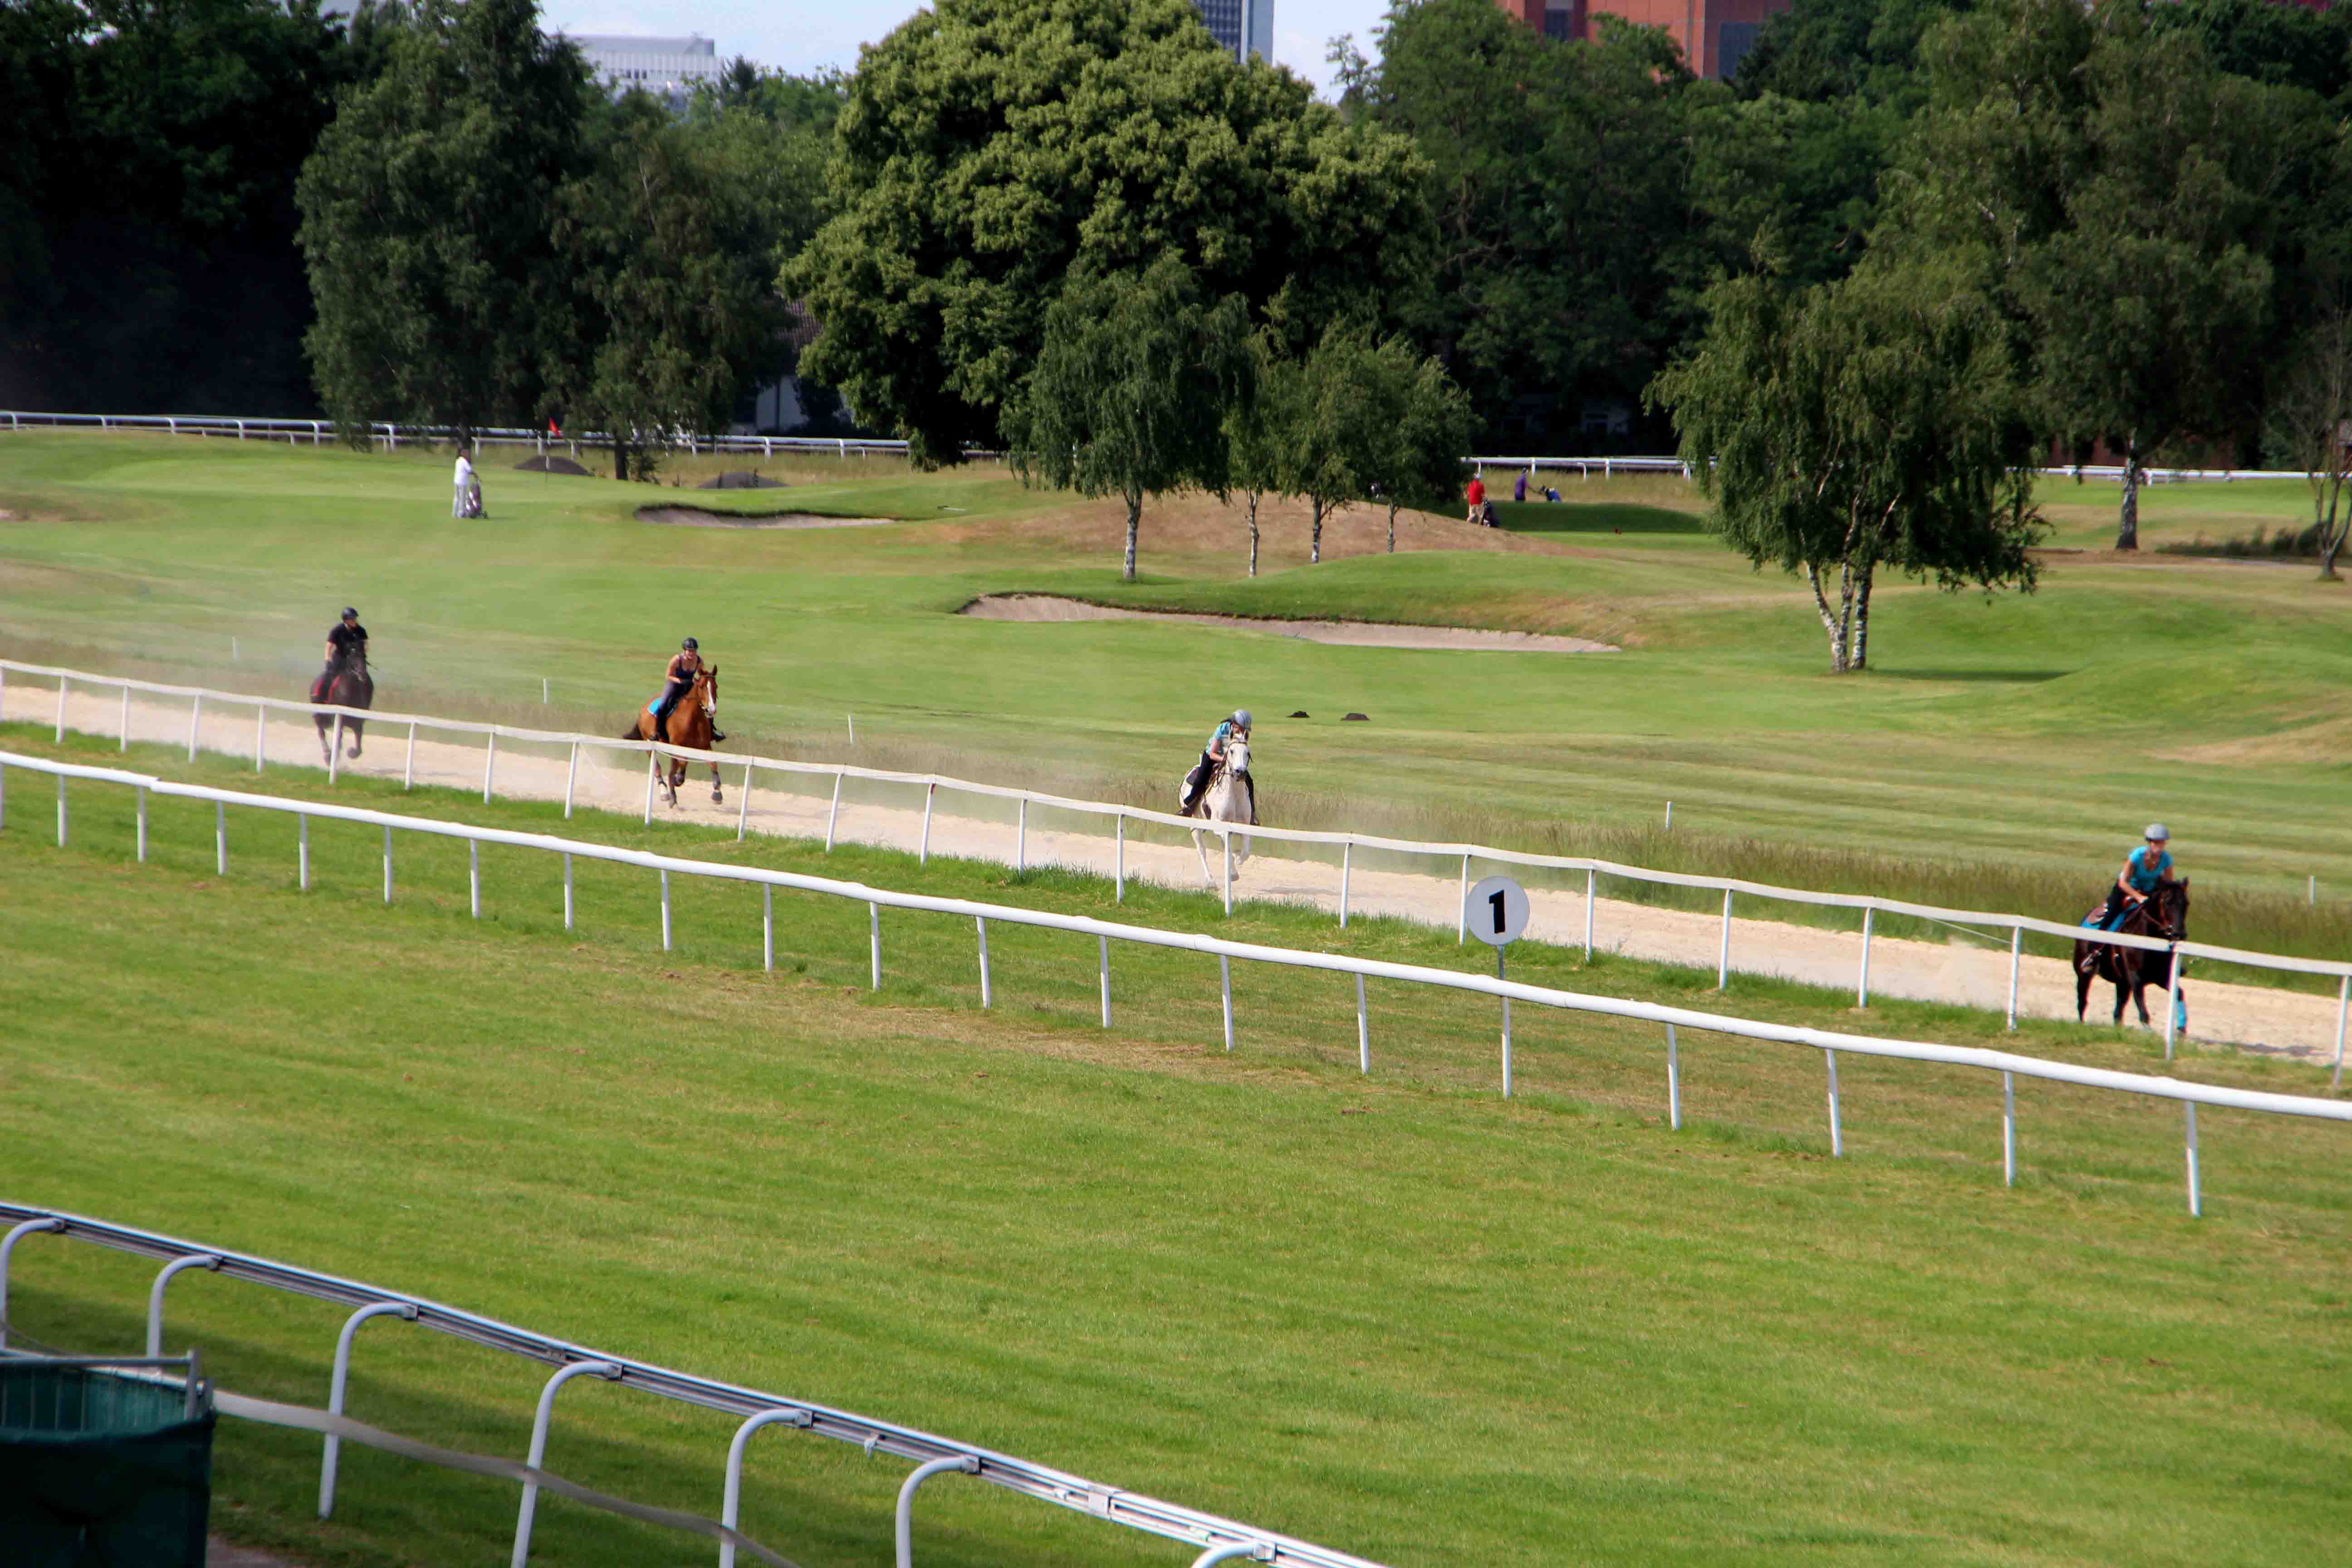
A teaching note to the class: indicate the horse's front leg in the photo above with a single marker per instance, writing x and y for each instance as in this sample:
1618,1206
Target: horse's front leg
1207,879
716,796
359,733
326,748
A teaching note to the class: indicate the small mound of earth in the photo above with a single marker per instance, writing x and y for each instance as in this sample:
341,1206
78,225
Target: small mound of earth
1355,717
1349,634
553,465
738,479
694,517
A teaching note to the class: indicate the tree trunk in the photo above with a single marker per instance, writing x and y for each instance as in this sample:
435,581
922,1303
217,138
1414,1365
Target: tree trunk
1315,534
2128,528
1861,640
1834,622
1392,509
620,459
1134,520
1252,525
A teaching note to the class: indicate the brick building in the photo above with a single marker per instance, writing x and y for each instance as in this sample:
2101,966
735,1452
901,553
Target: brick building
1714,33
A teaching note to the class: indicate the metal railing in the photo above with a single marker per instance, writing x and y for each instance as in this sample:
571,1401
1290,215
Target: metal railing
932,1454
1464,856
1829,1042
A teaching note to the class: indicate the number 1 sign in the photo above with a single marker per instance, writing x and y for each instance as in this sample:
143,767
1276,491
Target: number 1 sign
1498,912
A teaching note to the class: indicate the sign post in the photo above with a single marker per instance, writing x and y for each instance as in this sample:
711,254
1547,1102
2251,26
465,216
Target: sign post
1496,911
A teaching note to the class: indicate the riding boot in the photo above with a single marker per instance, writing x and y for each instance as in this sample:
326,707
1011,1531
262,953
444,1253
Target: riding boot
717,735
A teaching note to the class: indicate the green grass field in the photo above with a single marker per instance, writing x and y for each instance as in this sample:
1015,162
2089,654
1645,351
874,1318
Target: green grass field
1398,1316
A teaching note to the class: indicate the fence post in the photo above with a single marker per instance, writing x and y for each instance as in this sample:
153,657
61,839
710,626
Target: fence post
1837,1140
768,927
1722,959
2016,942
563,1375
303,850
220,840
1225,983
873,939
1102,945
260,734
1507,1038
567,891
2008,1130
1674,1084
1347,865
62,811
1228,836
969,1464
832,817
155,1294
63,681
731,1503
744,810
195,715
981,921
923,851
1591,880
2171,996
473,878
2196,1200
2343,1002
1363,1031
652,759
571,780
335,753
1862,989
143,827
1020,838
1119,862
335,1390
408,768
665,892
1461,913
489,766
17,1232
387,865
126,720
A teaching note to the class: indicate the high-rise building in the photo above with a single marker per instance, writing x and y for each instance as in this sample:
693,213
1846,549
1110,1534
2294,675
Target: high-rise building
1244,27
1714,33
666,68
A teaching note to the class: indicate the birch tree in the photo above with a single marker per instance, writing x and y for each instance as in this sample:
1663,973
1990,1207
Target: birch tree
1854,428
2310,419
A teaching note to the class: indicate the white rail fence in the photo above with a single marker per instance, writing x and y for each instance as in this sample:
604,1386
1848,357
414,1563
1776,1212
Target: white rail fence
1442,857
1220,1540
1830,1042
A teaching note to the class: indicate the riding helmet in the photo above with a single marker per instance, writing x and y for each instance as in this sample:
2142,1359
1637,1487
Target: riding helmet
690,643
1241,718
350,613
2156,833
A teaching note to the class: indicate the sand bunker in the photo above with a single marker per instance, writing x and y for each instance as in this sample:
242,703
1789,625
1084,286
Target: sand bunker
741,480
1351,633
694,517
551,464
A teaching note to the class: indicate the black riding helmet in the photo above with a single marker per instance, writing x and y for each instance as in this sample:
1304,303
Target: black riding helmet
690,646
350,613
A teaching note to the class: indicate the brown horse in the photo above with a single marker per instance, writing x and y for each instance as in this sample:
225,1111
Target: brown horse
689,726
348,685
2163,914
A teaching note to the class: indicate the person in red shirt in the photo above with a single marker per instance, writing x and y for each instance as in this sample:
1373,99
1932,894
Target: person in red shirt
1476,495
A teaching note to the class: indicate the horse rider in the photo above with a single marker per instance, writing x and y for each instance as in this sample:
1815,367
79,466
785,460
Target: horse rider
2144,868
346,640
1213,757
679,680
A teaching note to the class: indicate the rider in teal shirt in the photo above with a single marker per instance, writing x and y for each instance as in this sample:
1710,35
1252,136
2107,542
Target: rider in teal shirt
2144,868
1197,780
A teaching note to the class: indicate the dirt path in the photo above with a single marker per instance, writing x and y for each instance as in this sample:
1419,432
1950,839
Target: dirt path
1051,608
2283,1022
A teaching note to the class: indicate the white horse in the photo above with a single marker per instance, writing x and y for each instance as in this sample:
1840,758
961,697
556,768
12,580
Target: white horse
1230,798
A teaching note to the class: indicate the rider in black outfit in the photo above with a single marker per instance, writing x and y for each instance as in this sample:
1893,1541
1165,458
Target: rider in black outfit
348,638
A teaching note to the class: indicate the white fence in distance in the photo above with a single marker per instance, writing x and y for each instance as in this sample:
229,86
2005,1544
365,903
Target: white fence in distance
1448,856
1219,1538
2008,1064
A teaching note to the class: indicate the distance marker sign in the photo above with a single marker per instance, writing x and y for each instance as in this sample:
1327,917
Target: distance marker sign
1497,912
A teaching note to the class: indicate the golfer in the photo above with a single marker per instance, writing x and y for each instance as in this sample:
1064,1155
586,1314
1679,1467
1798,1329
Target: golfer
465,478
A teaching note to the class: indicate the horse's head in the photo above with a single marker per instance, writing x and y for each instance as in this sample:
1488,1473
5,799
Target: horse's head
1237,756
2171,901
706,687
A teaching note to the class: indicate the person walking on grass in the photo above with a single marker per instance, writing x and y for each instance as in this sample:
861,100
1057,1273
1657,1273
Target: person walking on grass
1475,494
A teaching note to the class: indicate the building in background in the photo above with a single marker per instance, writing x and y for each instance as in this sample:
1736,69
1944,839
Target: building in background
666,68
1244,28
1714,33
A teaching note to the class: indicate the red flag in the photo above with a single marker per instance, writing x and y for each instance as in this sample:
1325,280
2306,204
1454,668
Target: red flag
551,426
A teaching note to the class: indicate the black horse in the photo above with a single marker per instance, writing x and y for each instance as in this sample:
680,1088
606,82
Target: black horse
2164,915
346,685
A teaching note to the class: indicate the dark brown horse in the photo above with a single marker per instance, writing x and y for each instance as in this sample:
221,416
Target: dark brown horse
689,726
348,685
2164,915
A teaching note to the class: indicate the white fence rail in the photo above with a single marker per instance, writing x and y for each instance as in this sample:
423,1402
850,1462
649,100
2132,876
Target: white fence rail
1219,1538
1446,858
1829,1042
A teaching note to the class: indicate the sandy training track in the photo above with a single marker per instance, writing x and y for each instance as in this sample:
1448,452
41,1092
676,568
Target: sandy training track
1050,608
979,827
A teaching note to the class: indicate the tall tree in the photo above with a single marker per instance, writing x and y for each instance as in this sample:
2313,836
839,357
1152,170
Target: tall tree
1426,424
989,149
1864,425
1131,389
1253,434
1332,428
673,240
428,218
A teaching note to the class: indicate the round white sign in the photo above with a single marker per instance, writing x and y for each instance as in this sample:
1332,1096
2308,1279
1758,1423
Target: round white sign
1498,912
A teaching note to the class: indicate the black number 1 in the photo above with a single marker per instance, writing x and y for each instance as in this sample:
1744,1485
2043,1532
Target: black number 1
1496,899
